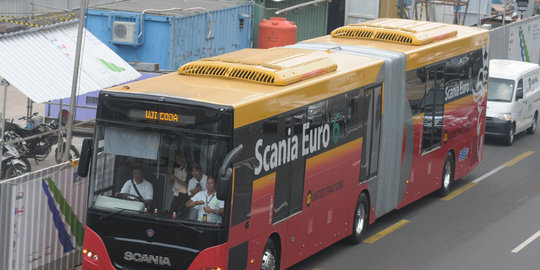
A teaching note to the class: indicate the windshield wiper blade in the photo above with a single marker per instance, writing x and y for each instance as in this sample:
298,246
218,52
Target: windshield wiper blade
180,224
110,214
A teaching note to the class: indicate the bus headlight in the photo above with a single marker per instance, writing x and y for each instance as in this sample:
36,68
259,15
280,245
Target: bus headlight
504,116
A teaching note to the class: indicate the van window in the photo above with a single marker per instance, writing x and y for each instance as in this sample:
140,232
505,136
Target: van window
500,90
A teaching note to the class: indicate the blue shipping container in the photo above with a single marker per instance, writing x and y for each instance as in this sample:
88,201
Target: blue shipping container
171,33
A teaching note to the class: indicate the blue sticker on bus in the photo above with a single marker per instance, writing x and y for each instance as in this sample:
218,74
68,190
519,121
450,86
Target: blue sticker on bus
463,153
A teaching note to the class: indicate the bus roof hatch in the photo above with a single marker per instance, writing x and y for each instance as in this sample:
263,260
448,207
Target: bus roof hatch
275,66
397,31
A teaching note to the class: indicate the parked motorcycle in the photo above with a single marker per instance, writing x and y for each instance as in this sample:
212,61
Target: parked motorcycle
39,147
13,163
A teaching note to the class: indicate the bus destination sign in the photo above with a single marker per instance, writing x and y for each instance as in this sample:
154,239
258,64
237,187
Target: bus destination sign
162,116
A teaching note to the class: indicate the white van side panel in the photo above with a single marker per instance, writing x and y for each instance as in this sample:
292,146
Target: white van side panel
531,96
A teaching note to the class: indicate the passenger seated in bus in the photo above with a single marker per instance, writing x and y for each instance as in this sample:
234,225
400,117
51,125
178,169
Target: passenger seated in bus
210,209
198,182
179,178
138,187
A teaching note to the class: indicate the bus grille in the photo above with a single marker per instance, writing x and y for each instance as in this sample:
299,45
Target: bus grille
220,70
396,31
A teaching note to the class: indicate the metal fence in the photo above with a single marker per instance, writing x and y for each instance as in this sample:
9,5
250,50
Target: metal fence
517,41
43,216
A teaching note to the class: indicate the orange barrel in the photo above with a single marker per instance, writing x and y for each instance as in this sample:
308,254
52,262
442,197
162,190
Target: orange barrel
276,32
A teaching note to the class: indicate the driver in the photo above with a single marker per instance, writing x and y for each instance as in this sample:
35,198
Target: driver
138,187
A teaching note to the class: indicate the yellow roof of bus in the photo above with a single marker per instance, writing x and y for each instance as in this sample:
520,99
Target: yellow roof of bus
441,47
254,101
260,83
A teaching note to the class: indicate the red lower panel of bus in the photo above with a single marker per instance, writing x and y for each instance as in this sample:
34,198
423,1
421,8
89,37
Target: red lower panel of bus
96,257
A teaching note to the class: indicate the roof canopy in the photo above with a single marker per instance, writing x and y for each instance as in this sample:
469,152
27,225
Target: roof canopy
40,62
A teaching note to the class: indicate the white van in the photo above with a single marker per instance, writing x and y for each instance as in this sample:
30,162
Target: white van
513,98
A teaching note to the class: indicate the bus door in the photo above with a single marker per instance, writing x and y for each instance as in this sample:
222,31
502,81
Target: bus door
372,116
432,106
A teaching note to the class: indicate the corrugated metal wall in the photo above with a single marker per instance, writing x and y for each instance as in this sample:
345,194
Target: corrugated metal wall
172,41
230,32
516,41
43,219
310,20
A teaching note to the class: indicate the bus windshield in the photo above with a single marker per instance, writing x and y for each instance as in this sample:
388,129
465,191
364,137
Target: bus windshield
150,171
500,90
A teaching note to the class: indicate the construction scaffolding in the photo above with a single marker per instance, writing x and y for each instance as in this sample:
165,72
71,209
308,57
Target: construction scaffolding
426,6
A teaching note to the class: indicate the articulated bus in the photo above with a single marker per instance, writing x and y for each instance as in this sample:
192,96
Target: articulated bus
308,144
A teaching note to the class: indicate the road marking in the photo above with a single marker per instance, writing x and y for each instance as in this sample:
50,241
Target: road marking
477,180
518,158
526,242
376,237
458,191
473,183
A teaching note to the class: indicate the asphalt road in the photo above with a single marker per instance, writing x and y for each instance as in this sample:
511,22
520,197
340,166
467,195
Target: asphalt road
16,106
490,221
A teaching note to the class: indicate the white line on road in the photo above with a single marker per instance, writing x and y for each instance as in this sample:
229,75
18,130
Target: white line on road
527,242
489,174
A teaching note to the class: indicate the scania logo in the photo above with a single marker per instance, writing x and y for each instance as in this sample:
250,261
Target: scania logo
150,259
150,233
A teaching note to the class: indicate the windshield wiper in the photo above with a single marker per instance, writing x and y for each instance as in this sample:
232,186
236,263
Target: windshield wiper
110,214
180,224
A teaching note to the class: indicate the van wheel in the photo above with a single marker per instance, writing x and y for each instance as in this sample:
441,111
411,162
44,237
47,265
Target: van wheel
361,220
270,258
532,129
510,136
447,175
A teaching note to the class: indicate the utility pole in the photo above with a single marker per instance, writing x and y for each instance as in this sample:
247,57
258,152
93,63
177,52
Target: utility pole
5,83
69,127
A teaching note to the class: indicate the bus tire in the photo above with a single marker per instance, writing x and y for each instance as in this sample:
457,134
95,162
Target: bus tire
361,219
270,257
447,175
532,129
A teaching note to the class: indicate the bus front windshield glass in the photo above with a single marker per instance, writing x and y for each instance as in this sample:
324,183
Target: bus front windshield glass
500,90
158,172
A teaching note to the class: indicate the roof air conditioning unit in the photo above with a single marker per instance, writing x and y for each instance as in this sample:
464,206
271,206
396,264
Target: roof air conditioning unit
124,32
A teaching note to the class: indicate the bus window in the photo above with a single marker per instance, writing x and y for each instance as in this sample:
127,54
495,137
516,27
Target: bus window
433,107
164,185
354,113
289,179
416,89
372,132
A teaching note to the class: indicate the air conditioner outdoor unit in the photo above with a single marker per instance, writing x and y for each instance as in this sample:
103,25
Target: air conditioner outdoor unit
124,32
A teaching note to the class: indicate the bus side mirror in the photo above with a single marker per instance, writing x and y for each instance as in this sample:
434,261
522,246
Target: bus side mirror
519,94
225,173
86,156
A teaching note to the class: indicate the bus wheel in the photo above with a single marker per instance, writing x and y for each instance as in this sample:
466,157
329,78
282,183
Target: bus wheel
447,175
270,259
361,218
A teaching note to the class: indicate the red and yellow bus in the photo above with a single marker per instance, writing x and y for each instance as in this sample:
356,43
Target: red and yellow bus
308,144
